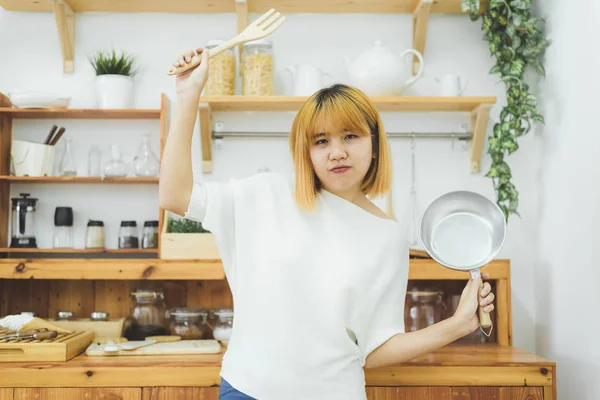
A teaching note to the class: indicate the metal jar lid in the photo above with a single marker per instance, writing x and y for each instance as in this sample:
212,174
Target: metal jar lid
64,315
188,312
99,316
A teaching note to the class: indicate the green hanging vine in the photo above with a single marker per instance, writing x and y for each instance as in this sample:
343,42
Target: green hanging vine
516,42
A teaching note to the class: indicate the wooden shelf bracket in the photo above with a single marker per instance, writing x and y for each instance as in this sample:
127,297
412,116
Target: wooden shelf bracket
241,9
204,114
478,124
420,21
65,22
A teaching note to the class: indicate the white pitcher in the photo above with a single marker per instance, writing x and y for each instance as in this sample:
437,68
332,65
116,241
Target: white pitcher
452,85
307,79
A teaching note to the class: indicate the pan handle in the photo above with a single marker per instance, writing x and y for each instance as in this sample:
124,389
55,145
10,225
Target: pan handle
484,317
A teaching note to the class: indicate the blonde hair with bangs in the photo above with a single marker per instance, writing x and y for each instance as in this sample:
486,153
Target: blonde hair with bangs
339,107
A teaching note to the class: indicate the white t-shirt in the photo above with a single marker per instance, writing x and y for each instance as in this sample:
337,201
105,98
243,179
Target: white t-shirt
314,292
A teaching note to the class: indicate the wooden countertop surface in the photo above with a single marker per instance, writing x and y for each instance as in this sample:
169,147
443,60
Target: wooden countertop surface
466,365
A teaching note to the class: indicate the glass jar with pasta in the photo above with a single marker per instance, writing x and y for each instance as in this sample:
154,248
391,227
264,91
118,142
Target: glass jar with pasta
257,68
221,72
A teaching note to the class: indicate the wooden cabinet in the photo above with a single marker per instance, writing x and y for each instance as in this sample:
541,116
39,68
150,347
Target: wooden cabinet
77,393
455,393
180,393
212,393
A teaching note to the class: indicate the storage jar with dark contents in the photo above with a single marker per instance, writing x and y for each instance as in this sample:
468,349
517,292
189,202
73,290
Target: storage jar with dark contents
147,315
128,235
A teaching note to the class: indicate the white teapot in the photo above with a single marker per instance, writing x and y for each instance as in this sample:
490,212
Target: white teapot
380,72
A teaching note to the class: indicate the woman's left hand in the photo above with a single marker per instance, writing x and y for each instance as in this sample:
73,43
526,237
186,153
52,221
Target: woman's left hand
471,299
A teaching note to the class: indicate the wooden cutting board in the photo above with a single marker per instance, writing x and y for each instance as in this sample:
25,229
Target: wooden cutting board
208,346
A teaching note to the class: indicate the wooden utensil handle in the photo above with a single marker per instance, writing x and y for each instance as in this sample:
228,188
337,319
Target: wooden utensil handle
45,335
484,317
195,61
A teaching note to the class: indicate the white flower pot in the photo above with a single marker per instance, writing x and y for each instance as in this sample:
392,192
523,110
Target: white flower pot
114,91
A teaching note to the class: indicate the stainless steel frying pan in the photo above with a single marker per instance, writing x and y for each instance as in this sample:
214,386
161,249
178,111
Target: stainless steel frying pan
463,230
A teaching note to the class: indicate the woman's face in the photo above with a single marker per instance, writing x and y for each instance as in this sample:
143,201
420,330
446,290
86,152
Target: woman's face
341,159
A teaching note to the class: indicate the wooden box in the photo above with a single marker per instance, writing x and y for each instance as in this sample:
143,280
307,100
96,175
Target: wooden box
187,246
62,348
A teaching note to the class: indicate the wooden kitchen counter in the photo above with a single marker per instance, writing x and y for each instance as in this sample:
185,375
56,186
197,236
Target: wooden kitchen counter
454,366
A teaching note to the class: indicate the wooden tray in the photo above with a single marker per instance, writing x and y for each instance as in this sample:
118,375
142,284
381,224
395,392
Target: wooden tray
62,348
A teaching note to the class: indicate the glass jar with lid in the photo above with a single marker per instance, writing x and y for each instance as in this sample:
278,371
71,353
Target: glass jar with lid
221,72
189,323
94,235
148,312
150,235
257,68
423,307
128,235
223,324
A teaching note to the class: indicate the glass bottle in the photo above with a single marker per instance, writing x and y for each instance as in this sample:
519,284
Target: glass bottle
145,162
67,165
95,162
116,166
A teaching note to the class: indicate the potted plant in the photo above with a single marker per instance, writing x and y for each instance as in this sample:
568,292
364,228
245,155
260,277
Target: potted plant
184,239
114,79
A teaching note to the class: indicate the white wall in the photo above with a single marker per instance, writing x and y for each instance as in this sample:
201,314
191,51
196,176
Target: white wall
31,59
566,274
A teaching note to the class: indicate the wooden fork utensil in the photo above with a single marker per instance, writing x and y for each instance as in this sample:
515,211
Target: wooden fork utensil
262,27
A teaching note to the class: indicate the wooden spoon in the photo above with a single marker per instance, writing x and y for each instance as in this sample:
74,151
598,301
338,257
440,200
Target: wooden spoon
263,26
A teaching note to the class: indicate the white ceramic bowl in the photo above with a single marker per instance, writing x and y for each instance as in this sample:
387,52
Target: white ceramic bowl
24,99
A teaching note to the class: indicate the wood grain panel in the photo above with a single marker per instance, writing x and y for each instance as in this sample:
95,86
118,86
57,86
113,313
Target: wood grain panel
113,297
5,145
19,296
209,294
6,394
74,296
497,393
408,393
78,393
180,393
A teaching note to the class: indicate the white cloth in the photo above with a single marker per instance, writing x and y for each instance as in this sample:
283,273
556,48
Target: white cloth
314,292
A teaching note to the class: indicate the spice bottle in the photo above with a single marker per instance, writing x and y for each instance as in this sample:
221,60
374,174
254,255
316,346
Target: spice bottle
94,235
150,235
63,228
128,235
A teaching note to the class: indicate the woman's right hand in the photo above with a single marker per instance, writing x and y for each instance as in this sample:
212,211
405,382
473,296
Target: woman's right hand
192,81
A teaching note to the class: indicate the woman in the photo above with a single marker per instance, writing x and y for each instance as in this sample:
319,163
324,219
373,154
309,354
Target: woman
317,271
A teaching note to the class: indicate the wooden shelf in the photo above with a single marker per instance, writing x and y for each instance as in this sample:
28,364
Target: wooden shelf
108,269
477,107
227,6
39,113
78,251
383,103
186,269
77,179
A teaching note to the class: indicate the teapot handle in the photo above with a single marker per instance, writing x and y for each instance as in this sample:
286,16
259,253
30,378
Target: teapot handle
419,72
